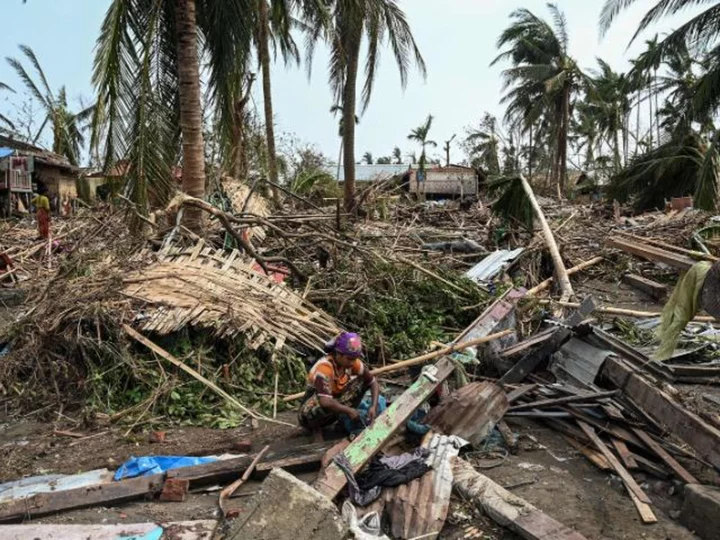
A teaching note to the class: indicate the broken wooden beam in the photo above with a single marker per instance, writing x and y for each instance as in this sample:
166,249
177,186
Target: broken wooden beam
508,509
655,290
565,400
136,488
332,480
670,461
639,497
624,453
651,253
666,412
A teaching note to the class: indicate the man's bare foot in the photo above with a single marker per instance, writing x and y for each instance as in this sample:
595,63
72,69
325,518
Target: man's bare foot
317,436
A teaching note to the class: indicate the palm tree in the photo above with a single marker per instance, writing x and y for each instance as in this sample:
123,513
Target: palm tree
147,78
66,125
485,144
609,106
377,22
543,78
335,109
397,155
4,120
420,135
368,158
586,133
700,33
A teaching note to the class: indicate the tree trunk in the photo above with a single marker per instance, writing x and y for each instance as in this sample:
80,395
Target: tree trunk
349,98
561,274
239,152
637,124
657,111
264,54
191,120
562,139
650,108
616,151
530,156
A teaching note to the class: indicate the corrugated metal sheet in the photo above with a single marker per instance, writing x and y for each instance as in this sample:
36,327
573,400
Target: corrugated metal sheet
369,173
470,412
419,509
493,264
578,363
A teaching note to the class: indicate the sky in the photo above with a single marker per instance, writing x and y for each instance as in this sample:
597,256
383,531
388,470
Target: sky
456,37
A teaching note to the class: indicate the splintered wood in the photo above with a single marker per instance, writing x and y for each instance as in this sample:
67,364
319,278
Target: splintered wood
204,287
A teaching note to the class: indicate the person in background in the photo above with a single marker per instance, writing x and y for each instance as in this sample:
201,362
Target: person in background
336,385
42,207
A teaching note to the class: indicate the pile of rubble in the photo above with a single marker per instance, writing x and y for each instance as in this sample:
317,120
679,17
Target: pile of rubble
286,282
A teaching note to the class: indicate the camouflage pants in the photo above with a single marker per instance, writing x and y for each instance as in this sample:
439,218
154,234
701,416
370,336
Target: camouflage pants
312,415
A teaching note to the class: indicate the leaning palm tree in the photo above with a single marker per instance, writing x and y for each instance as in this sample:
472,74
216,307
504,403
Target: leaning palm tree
352,21
66,126
543,77
700,33
397,155
147,77
5,123
368,158
420,135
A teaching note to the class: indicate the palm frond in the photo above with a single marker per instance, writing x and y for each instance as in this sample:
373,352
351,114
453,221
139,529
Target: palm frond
512,202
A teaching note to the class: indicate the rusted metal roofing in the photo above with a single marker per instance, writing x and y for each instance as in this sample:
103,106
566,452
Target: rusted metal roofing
419,508
470,412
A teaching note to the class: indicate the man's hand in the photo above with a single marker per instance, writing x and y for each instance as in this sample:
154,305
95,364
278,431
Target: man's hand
353,414
372,414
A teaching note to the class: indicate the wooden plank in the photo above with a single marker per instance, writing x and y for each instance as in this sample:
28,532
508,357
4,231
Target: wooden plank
653,289
332,481
624,453
670,461
506,508
520,391
630,483
511,440
651,253
595,457
57,501
564,400
670,415
135,488
611,429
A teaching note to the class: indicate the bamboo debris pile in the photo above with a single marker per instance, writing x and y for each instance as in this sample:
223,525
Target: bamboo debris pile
204,287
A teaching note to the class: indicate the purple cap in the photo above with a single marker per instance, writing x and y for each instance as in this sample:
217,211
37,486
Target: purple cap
349,344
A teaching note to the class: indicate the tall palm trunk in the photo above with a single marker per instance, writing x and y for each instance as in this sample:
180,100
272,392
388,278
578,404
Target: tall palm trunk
637,123
657,110
264,53
349,97
530,156
563,139
650,109
193,170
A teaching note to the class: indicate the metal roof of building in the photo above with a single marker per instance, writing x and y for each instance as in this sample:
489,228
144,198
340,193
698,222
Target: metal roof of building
369,173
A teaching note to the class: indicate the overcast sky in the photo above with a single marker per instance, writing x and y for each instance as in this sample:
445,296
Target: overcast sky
456,37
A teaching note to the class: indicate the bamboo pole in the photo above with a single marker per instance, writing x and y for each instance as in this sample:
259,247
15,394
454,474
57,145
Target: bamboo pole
609,310
574,270
566,289
431,274
425,357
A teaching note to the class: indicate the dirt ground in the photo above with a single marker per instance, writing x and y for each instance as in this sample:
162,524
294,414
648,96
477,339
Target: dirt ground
563,483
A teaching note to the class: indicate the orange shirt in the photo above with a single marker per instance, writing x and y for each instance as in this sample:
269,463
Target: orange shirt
329,379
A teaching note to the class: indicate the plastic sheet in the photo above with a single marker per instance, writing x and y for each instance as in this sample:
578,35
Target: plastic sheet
147,465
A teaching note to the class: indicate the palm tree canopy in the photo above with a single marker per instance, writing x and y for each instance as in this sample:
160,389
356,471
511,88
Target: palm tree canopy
700,33
420,134
379,22
67,126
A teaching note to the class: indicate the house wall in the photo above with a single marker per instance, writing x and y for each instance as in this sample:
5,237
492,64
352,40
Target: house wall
445,182
59,182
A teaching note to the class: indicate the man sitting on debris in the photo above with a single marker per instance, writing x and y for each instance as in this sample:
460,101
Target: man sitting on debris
337,384
698,289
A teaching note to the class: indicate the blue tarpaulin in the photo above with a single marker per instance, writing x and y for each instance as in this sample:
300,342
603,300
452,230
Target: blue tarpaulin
145,466
5,152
